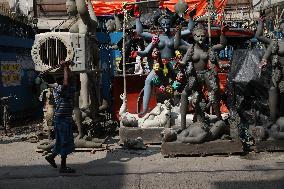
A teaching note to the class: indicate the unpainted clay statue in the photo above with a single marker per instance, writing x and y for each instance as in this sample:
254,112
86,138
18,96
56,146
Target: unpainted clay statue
138,65
277,130
165,44
84,142
181,7
196,133
160,116
87,142
86,23
48,111
46,144
272,132
199,132
197,58
126,119
113,25
275,52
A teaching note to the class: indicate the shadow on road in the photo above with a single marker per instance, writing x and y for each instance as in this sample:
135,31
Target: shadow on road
107,172
272,178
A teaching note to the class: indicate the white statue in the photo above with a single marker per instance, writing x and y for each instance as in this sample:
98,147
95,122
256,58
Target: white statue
138,66
160,116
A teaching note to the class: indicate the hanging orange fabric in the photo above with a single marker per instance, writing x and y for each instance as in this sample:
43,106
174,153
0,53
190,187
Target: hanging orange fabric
109,7
201,5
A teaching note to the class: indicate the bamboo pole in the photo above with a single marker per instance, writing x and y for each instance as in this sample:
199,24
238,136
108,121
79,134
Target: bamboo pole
209,22
123,53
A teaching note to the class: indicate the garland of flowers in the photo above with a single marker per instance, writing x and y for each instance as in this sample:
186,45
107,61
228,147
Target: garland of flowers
168,82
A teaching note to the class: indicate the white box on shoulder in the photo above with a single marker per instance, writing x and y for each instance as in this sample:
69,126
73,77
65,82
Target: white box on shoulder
51,48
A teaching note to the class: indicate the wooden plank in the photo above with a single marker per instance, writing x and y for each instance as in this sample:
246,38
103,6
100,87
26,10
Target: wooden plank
269,146
104,147
149,135
207,148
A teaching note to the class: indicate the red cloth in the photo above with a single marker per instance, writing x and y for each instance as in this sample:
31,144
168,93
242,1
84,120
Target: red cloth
201,5
108,8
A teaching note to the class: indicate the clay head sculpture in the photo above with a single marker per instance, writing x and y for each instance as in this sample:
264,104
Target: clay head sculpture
166,22
275,60
110,25
49,94
156,67
129,120
168,104
156,53
178,54
199,34
71,7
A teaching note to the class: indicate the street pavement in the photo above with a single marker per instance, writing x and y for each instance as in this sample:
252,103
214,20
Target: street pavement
117,168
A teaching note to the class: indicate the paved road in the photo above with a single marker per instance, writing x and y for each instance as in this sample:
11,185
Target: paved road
22,167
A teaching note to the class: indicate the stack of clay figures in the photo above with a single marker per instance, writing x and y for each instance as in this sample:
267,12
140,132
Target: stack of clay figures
184,72
181,77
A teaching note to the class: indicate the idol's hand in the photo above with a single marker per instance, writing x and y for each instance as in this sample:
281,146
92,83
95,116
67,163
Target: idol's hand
179,27
155,40
137,12
192,13
133,54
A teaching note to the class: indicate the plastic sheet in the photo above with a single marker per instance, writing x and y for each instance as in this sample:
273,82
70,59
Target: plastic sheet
248,86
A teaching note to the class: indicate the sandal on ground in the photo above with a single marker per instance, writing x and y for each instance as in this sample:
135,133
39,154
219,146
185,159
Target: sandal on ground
51,161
